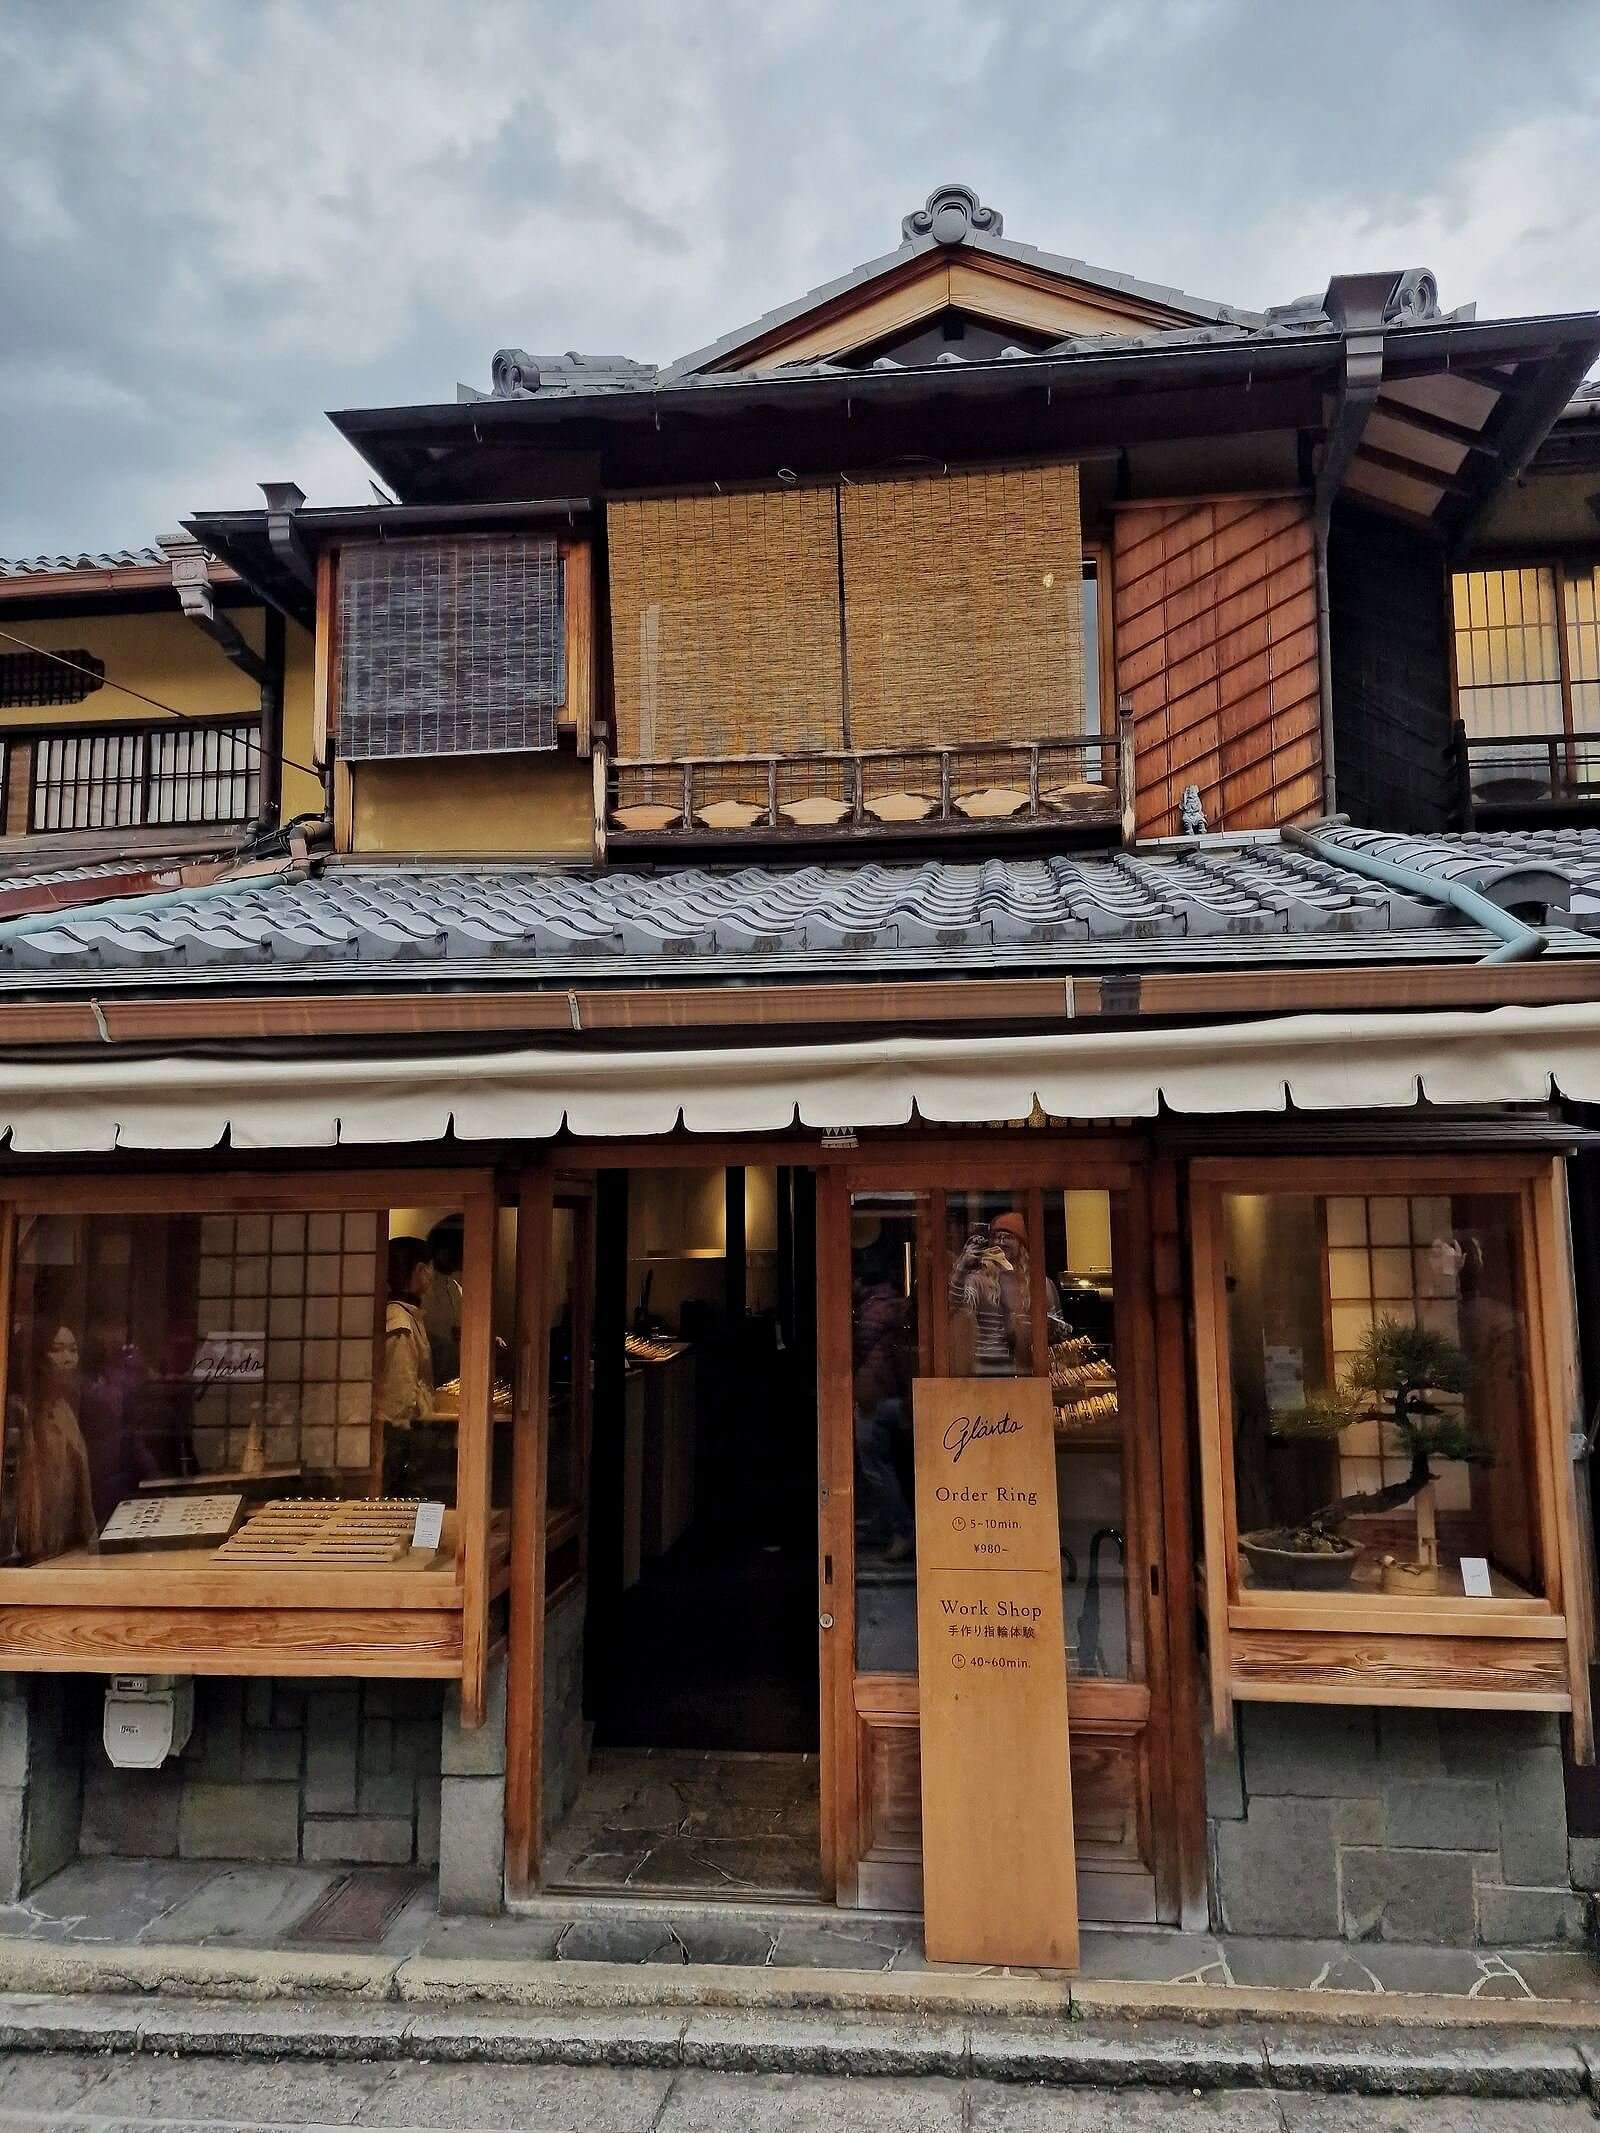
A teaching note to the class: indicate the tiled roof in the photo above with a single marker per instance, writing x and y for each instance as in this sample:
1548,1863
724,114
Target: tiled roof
57,566
952,220
1218,901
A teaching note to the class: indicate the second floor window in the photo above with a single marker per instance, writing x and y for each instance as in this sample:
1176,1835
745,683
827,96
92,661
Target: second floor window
133,777
1527,643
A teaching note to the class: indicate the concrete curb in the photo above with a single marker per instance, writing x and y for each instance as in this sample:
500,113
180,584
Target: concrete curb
259,1977
1505,2062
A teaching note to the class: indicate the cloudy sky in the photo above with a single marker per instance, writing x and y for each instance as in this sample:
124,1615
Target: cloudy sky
219,219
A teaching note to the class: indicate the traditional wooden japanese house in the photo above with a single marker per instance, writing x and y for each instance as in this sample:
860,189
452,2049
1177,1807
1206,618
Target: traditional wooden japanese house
931,840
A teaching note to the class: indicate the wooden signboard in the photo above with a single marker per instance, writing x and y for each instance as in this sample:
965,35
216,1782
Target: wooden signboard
998,1873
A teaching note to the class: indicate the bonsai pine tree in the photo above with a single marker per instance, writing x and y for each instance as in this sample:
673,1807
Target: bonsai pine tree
1409,1378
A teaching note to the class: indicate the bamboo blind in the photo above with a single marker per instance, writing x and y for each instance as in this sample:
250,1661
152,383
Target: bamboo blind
450,646
725,624
964,607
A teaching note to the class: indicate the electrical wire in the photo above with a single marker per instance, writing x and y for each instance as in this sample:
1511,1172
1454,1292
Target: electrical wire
186,718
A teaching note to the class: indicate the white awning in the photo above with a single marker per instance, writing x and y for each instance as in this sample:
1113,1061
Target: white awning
1317,1062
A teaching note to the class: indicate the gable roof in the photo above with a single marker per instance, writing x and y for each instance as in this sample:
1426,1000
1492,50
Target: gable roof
954,224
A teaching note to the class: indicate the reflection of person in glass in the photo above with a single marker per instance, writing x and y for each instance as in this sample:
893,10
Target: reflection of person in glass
990,1291
54,1498
881,1377
407,1392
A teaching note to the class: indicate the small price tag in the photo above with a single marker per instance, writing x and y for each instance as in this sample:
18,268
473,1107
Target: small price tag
1475,1577
429,1527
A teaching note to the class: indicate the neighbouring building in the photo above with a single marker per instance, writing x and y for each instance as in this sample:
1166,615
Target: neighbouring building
999,821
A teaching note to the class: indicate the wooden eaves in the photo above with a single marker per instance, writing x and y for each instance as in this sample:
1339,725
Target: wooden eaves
884,1003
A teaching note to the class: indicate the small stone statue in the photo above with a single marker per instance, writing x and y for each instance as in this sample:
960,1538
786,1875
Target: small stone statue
1191,814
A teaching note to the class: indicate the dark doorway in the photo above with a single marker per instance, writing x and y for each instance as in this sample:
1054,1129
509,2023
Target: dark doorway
702,1626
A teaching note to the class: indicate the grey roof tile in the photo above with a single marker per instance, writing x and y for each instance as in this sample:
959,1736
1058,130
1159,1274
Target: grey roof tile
1206,902
55,566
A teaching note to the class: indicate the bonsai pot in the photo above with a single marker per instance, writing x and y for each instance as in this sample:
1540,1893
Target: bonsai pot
1275,1561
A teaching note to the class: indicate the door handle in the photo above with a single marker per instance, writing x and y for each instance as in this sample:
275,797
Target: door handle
825,1621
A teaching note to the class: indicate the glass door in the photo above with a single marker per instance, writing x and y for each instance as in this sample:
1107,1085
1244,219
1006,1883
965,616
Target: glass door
990,1279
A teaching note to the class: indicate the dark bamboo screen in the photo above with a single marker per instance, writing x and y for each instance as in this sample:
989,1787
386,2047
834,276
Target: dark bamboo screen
450,647
1216,645
725,624
964,607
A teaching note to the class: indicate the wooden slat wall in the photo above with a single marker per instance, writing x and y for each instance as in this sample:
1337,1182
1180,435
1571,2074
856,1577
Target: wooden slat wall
1216,645
725,623
964,607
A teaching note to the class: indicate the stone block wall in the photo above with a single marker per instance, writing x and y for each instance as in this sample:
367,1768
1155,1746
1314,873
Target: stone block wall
40,1778
1446,1828
339,1773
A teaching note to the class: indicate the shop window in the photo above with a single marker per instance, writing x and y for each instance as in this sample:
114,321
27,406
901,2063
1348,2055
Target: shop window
271,1389
1382,1394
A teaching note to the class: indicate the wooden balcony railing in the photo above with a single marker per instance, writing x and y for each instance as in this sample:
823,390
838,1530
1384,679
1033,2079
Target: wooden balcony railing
854,794
1527,770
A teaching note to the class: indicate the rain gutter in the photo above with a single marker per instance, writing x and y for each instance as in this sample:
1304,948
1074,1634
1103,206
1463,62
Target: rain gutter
1518,940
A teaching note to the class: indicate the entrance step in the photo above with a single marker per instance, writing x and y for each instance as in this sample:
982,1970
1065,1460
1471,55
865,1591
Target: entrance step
798,1935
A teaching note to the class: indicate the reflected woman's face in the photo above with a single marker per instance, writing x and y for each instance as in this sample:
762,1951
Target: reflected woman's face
62,1353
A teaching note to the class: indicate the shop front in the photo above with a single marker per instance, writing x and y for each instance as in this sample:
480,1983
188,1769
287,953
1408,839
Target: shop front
514,1513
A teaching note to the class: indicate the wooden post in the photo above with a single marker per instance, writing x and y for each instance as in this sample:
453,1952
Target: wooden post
601,765
579,559
1125,770
324,681
530,1427
472,1450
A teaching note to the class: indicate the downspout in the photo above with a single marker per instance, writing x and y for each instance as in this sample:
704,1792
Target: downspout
1519,942
1357,303
271,787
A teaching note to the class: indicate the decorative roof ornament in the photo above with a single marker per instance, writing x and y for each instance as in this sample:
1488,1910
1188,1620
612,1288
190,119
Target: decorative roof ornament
1414,296
953,214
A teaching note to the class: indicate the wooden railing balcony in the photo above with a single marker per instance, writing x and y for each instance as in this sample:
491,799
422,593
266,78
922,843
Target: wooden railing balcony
1527,771
986,787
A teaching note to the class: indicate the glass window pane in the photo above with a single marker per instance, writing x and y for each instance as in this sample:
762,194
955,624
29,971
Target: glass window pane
989,1296
889,1240
1091,1434
1380,1414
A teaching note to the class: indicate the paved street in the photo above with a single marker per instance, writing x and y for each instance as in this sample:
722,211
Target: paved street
100,2092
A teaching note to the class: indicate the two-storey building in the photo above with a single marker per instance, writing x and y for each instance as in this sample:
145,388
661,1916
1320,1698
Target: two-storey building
954,832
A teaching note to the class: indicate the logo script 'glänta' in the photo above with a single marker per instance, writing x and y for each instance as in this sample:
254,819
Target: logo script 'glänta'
972,1429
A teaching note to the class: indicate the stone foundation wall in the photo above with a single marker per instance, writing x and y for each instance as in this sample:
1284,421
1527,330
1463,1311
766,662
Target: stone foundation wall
1447,1828
41,1782
341,1773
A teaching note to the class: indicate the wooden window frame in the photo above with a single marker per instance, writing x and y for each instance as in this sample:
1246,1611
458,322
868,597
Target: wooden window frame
1564,566
162,1618
1438,1652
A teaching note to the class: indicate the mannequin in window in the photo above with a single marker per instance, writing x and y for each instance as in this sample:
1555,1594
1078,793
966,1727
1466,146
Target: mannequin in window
407,1393
53,1493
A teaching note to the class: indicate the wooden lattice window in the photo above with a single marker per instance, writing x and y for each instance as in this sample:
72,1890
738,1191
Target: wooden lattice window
450,647
29,679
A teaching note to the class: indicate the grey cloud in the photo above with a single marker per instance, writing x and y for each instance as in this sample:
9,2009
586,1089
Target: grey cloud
214,224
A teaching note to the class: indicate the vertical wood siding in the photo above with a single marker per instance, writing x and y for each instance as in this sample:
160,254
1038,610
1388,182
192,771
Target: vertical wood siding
1216,645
